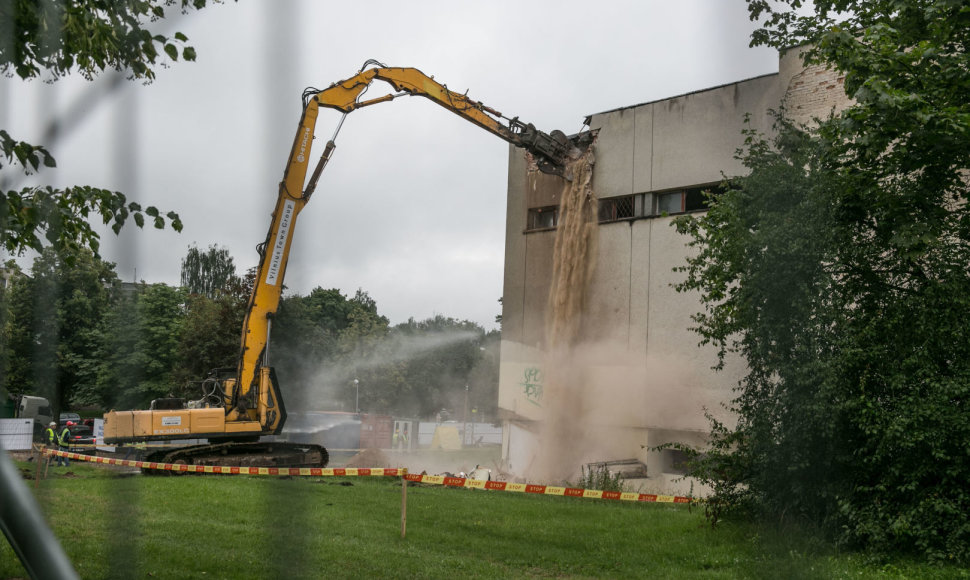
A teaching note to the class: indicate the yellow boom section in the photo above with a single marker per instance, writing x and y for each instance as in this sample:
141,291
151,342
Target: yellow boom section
551,152
274,255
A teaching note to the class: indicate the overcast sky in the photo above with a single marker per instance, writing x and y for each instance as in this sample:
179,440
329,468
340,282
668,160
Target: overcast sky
412,206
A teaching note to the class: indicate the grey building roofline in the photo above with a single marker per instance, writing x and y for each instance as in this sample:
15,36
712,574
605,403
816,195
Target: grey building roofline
590,117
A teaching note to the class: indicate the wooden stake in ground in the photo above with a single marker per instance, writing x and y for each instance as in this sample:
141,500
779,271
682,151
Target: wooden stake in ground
38,455
404,502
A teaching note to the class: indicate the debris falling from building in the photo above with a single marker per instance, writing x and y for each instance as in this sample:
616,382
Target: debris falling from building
574,256
574,259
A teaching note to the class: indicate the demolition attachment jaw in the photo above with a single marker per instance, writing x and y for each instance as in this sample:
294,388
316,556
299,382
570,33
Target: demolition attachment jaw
554,151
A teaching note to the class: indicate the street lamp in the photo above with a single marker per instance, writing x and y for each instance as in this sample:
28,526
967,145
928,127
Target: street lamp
357,396
464,419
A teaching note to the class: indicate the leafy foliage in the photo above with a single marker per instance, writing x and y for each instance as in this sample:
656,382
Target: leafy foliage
60,217
443,356
89,36
837,268
140,347
52,336
209,336
55,38
323,341
599,478
208,273
122,345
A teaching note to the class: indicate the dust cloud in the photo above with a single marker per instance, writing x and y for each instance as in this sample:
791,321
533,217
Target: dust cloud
574,259
331,385
574,256
598,401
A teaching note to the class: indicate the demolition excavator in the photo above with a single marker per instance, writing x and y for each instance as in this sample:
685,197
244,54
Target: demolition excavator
239,407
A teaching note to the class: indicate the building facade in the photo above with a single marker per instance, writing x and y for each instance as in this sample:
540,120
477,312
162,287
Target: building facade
645,380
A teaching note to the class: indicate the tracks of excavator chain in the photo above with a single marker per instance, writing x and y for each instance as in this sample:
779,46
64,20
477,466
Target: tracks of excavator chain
244,454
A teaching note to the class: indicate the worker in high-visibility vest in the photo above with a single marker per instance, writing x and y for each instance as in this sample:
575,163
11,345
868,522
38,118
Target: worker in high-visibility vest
50,437
64,441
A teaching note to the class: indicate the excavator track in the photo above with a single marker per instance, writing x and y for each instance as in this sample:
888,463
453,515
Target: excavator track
245,454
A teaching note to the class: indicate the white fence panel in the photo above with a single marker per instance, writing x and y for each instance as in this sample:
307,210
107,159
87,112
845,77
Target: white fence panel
16,434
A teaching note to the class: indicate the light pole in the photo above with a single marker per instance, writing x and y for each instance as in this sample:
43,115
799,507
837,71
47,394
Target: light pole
357,396
464,419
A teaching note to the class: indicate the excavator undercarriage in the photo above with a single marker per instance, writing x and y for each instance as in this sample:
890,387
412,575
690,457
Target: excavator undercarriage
244,454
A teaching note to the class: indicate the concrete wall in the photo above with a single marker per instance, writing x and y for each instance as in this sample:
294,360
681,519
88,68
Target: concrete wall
648,380
679,142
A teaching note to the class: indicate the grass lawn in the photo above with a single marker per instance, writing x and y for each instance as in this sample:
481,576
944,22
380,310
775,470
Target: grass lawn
132,526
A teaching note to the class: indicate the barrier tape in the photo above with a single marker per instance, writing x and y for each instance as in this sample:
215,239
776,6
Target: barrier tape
444,480
543,489
234,470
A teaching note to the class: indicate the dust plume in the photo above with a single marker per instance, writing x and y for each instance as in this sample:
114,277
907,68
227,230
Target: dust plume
328,383
574,255
601,404
574,259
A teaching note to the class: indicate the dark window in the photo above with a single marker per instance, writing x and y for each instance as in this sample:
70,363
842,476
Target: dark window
675,461
616,208
630,207
694,199
541,218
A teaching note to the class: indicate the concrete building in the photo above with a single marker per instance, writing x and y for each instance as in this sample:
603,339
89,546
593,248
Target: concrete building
645,381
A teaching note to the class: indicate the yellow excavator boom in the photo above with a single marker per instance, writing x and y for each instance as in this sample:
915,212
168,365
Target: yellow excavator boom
246,403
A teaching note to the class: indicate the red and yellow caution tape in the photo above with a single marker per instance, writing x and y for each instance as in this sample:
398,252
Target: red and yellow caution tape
543,489
234,470
384,472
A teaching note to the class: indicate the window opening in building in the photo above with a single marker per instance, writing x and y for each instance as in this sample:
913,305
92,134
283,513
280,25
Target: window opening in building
670,203
675,461
696,198
541,218
617,208
693,199
628,207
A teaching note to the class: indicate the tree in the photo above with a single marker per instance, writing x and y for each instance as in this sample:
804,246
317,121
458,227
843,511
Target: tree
838,268
439,355
140,347
54,345
483,378
207,273
58,38
209,336
11,273
319,343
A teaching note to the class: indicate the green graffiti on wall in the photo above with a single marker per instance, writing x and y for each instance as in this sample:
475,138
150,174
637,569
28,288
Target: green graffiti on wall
532,385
